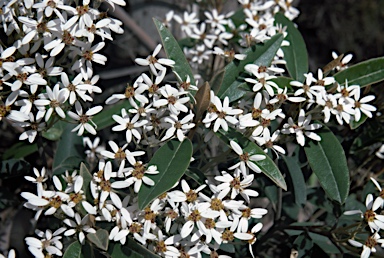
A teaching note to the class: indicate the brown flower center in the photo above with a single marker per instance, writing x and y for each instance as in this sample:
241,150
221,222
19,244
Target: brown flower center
369,215
67,37
227,235
209,223
235,183
139,170
135,227
191,196
217,204
194,216
129,92
120,154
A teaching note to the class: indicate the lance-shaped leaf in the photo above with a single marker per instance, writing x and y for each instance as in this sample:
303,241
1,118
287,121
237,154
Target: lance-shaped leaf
55,131
328,162
99,239
104,118
365,73
87,178
283,82
267,166
69,151
20,150
119,251
140,249
354,124
172,159
295,54
174,52
73,251
297,179
233,75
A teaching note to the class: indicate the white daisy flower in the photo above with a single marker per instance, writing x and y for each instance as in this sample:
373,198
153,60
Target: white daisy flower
303,127
246,160
83,119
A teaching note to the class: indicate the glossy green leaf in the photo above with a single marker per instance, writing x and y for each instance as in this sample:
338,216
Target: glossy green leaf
69,152
267,166
73,251
54,133
87,178
119,251
297,179
172,159
238,17
70,163
187,42
283,82
261,54
140,249
174,52
99,239
365,73
104,118
324,243
20,150
354,124
295,54
327,160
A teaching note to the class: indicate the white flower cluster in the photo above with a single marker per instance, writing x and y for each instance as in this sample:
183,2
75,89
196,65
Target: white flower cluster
47,68
214,33
373,217
181,221
321,96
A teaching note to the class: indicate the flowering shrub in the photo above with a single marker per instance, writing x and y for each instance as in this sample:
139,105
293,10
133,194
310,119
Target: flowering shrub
218,168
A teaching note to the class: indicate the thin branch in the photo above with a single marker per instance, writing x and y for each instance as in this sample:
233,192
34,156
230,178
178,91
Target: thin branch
130,23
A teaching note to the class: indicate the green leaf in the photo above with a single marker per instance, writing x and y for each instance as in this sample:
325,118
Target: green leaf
69,152
324,243
70,163
365,73
87,178
55,131
20,150
104,118
297,178
261,54
174,52
267,166
119,251
303,244
187,42
73,251
296,53
172,159
99,239
354,124
283,82
138,248
196,175
328,162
